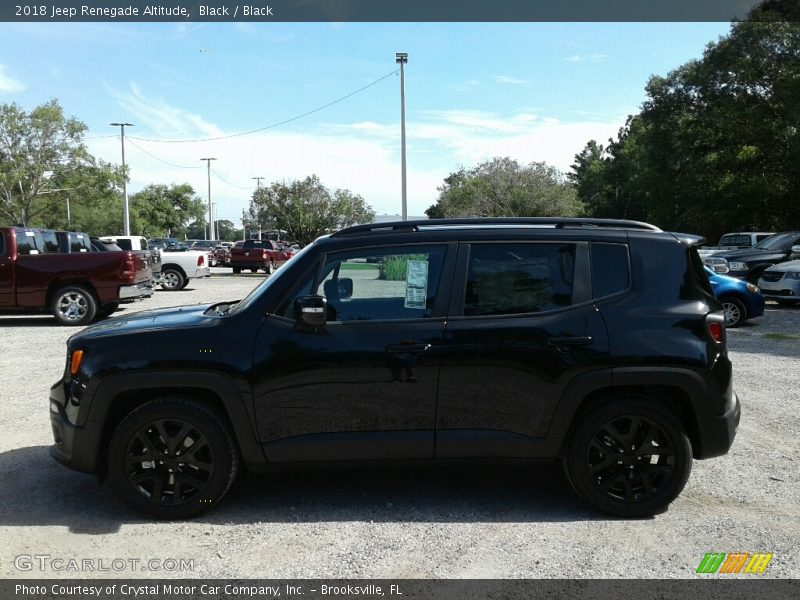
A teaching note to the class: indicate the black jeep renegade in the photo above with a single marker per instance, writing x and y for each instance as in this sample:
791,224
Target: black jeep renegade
595,341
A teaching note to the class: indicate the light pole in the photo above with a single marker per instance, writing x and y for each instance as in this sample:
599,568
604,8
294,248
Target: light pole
244,227
216,222
402,59
69,217
126,216
210,207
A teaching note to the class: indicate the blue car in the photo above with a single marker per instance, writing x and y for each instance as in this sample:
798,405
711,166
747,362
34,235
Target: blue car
740,299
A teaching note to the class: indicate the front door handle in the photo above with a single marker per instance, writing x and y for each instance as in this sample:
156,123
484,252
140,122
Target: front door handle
570,341
408,348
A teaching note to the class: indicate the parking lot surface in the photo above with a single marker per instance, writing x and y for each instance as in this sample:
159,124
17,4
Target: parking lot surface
486,521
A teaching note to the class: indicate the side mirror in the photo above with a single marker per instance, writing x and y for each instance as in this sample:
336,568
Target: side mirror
345,288
311,311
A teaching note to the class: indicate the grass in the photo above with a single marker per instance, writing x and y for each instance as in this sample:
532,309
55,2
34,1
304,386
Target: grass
358,266
782,336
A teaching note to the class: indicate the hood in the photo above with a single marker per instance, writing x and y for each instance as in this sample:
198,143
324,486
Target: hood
792,265
163,318
745,254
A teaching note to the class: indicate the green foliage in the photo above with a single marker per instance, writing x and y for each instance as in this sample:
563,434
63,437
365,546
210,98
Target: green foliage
502,187
306,209
159,210
716,147
395,268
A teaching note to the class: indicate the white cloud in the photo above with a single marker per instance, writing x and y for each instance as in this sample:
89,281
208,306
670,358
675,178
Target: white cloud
464,86
595,58
510,80
363,156
9,85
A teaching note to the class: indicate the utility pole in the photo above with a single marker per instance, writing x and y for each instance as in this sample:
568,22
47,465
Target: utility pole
258,182
210,207
244,227
126,216
216,222
402,59
69,218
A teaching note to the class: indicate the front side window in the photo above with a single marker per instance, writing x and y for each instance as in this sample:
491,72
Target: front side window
507,279
381,284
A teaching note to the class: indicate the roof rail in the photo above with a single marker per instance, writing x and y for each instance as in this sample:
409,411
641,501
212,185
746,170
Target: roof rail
557,222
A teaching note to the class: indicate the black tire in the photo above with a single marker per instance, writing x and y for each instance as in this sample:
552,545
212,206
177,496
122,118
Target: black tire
237,270
185,283
172,481
254,270
609,457
73,305
735,311
172,279
270,268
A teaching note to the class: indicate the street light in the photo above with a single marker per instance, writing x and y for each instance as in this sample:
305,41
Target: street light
402,59
210,208
126,217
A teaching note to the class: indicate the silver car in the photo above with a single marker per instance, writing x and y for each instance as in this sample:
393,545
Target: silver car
781,282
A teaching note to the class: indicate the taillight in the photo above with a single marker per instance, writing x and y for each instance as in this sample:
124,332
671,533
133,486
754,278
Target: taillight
200,260
715,325
128,271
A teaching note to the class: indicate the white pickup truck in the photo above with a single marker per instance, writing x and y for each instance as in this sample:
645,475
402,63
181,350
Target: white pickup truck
177,268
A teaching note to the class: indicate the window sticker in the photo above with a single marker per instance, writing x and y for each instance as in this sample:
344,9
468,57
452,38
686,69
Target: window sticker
29,233
33,251
416,284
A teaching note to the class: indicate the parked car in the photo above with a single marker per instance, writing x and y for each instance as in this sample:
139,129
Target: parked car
258,255
734,241
139,245
749,263
222,254
781,282
177,268
208,246
741,300
597,341
76,287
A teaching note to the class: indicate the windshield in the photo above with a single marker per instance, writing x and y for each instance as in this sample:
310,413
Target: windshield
779,241
261,289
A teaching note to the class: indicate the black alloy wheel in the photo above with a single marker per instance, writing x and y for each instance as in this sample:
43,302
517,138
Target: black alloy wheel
172,458
629,457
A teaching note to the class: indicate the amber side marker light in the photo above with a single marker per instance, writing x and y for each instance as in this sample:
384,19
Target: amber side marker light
75,362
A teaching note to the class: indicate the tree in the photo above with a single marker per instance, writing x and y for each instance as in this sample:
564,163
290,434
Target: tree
502,187
39,151
306,209
716,146
160,210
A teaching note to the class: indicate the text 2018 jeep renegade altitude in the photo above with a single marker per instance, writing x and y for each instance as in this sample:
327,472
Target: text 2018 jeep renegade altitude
596,341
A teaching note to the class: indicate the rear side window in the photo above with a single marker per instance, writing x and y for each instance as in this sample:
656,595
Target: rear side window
124,244
509,279
610,269
79,243
29,242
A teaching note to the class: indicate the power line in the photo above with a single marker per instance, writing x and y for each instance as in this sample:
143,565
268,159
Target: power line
151,155
305,114
228,182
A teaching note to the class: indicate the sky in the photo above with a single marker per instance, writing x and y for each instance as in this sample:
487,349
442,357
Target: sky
531,91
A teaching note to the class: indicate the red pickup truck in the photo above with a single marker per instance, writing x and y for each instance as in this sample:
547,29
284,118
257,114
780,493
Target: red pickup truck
257,255
36,275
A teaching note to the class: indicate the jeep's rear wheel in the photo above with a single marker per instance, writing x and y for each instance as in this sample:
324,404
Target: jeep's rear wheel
172,458
629,457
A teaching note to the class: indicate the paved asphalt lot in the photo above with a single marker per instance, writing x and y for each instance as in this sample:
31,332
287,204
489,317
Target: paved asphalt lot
492,522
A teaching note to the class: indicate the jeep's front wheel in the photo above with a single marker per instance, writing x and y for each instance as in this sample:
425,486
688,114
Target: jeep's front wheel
628,457
172,458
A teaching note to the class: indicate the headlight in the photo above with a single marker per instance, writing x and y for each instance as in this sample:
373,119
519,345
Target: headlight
792,275
718,265
737,266
753,289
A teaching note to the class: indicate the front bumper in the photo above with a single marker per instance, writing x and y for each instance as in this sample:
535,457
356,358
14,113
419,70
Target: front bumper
140,290
782,289
74,446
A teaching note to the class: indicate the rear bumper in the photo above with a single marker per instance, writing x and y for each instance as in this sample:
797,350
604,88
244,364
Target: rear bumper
202,272
139,290
719,431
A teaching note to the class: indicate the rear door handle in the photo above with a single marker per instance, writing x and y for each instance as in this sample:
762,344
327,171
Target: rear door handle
408,347
570,341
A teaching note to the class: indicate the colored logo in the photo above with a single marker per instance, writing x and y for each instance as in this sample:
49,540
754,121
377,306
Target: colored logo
736,562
